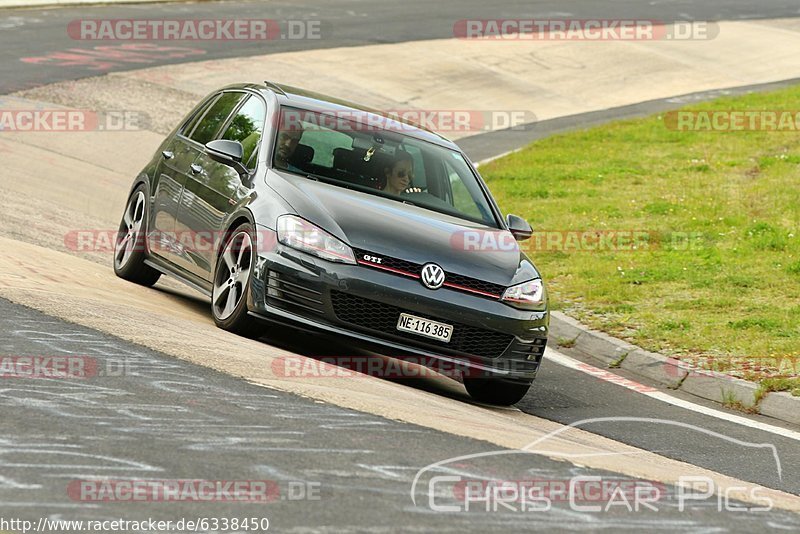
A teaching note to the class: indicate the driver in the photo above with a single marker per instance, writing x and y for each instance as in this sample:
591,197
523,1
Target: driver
400,174
287,144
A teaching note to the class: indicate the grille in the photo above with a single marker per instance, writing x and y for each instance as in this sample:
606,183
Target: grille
477,285
395,263
465,282
380,317
287,292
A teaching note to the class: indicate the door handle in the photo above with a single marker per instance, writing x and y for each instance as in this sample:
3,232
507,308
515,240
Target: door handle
167,154
196,169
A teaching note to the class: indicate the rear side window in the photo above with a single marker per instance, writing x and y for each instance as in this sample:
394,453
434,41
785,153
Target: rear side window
325,143
210,124
247,126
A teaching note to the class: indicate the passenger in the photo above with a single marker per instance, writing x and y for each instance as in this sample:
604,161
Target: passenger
400,174
287,144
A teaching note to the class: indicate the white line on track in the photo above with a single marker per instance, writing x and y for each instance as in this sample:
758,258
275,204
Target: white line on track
653,393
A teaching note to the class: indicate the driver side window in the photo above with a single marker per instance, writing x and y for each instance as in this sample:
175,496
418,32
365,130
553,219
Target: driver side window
247,127
210,124
187,128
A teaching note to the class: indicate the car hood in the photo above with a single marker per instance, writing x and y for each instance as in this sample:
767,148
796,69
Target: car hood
387,227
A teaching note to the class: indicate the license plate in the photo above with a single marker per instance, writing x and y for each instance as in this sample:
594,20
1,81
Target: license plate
424,327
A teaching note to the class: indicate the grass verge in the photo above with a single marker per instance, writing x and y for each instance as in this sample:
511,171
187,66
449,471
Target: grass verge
714,274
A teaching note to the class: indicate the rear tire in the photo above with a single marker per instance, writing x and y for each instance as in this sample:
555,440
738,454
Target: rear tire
232,276
129,246
496,391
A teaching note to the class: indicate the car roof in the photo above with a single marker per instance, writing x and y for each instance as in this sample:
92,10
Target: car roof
313,101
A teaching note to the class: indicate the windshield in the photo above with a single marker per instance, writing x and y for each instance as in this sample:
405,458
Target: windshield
357,152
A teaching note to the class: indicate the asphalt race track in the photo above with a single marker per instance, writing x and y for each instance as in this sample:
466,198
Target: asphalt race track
334,469
339,456
38,32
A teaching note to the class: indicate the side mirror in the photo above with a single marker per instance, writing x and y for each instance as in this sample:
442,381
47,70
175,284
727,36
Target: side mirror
228,153
519,227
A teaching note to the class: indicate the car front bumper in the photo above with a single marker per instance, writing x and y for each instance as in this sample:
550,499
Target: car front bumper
490,338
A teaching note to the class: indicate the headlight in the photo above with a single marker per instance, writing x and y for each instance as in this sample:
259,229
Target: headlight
528,295
300,234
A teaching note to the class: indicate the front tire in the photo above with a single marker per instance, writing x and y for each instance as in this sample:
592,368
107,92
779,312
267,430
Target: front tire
496,391
232,276
129,247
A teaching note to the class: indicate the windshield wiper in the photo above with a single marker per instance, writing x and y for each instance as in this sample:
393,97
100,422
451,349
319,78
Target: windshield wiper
331,181
324,179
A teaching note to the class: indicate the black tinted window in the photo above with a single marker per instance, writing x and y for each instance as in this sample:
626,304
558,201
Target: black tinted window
247,126
211,123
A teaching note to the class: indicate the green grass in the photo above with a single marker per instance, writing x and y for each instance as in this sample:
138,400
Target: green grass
791,385
720,274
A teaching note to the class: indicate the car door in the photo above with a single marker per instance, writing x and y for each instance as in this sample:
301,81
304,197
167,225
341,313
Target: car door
214,190
190,237
170,178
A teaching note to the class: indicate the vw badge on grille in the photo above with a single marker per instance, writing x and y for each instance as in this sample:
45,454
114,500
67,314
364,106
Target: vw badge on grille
432,276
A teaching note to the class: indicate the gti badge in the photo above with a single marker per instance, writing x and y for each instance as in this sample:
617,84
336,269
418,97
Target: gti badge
432,276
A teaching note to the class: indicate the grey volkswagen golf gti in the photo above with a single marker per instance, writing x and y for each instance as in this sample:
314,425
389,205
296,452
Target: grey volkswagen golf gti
293,208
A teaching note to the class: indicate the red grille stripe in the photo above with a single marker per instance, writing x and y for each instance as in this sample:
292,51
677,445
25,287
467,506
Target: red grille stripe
386,268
